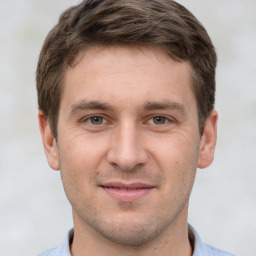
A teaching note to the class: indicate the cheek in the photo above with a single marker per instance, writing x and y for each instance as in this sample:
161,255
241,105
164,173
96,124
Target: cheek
177,159
81,152
79,161
175,149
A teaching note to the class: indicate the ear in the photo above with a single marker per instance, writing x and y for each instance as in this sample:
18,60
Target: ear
208,141
49,142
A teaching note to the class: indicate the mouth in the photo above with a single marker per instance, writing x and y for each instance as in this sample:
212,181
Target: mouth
127,192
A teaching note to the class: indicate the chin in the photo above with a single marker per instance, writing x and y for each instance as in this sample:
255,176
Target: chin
131,231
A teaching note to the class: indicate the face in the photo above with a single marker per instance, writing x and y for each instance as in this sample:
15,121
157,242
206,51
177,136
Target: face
128,142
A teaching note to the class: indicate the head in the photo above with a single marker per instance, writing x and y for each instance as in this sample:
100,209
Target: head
160,23
126,95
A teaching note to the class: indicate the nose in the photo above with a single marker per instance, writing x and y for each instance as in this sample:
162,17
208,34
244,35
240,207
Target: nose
127,150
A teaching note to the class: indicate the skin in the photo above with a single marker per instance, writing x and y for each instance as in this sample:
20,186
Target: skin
128,115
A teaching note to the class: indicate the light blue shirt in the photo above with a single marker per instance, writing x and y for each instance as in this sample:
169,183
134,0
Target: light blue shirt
200,249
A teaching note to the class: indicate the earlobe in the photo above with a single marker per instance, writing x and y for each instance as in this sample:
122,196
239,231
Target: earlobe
49,142
208,141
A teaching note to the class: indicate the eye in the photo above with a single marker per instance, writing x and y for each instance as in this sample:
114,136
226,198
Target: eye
96,120
158,120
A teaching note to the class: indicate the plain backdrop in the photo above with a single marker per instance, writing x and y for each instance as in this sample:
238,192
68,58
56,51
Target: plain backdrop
34,212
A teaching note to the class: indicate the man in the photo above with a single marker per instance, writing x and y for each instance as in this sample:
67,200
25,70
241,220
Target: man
126,112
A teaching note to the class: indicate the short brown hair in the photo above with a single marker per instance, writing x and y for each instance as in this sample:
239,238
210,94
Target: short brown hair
161,23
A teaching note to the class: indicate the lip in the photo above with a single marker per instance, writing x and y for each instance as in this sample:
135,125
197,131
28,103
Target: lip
127,192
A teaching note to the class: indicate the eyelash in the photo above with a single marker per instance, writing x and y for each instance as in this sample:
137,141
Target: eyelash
89,119
104,120
163,118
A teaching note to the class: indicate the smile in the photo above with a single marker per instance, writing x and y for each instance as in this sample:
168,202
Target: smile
127,192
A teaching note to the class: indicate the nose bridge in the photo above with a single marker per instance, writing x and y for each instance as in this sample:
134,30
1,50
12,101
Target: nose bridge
127,150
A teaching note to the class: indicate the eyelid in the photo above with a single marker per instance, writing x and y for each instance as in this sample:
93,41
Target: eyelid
169,119
87,118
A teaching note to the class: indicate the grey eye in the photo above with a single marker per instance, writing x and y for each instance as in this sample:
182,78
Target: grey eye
159,120
97,120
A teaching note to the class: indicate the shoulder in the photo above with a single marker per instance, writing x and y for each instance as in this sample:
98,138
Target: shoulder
215,251
202,249
58,251
51,252
62,250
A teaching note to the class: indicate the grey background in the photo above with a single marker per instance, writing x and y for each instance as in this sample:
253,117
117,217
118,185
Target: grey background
34,212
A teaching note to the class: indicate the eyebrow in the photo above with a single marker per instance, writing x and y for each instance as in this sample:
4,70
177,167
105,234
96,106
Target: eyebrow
164,105
148,106
89,105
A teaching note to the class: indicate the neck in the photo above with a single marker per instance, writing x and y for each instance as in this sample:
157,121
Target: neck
174,241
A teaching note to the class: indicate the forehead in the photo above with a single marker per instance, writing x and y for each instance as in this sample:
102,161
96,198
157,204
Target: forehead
110,72
141,54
